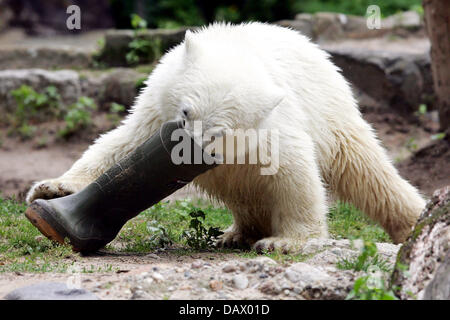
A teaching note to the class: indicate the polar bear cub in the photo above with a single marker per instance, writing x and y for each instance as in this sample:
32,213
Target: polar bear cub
258,76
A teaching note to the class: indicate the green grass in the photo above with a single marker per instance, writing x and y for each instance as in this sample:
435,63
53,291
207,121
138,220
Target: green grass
164,223
23,249
347,222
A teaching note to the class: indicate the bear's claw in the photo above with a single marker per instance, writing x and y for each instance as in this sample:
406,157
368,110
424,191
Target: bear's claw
233,240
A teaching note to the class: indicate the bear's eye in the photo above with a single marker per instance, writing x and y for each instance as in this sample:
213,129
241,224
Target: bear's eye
186,113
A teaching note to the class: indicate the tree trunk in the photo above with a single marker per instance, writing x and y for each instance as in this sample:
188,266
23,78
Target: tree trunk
437,22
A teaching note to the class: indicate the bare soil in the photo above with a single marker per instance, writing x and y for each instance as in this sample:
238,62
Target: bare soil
429,168
208,275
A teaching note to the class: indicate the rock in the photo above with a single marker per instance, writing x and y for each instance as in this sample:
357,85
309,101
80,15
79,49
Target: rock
197,264
396,80
405,19
49,291
270,287
259,264
421,256
439,287
305,273
325,26
303,24
328,26
120,86
229,268
157,276
240,281
45,58
153,256
66,82
215,285
117,41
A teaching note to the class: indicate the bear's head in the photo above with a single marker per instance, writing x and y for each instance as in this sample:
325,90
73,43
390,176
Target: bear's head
222,86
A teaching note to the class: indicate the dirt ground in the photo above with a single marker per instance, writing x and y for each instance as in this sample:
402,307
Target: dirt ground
208,275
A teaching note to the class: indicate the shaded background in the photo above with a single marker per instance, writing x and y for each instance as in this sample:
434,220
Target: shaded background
45,16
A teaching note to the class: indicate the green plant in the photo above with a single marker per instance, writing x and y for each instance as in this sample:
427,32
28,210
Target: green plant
347,222
115,112
141,49
438,136
26,131
422,110
161,238
198,237
372,286
140,83
79,116
411,145
367,258
32,105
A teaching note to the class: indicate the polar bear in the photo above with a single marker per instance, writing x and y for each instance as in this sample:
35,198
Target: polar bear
257,75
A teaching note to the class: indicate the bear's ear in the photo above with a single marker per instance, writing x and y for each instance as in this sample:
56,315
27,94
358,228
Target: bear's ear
268,98
191,44
273,98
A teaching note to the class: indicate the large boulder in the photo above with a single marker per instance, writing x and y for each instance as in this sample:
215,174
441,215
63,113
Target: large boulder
398,80
121,85
117,44
66,82
324,26
47,58
423,262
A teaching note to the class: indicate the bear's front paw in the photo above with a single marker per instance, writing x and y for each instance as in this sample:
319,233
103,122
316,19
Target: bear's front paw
283,245
234,240
49,189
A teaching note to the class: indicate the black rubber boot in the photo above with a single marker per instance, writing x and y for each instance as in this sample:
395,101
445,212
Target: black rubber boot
94,216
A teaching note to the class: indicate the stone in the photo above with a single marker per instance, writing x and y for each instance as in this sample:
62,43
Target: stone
65,81
153,256
229,268
158,277
215,285
261,262
396,80
421,271
270,287
303,24
327,25
119,86
240,281
439,287
45,58
49,291
116,44
305,273
405,19
197,264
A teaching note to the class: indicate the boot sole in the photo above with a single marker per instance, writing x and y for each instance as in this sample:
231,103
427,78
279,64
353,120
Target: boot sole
35,217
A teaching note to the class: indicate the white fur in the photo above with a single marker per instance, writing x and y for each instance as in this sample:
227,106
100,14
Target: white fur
263,76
